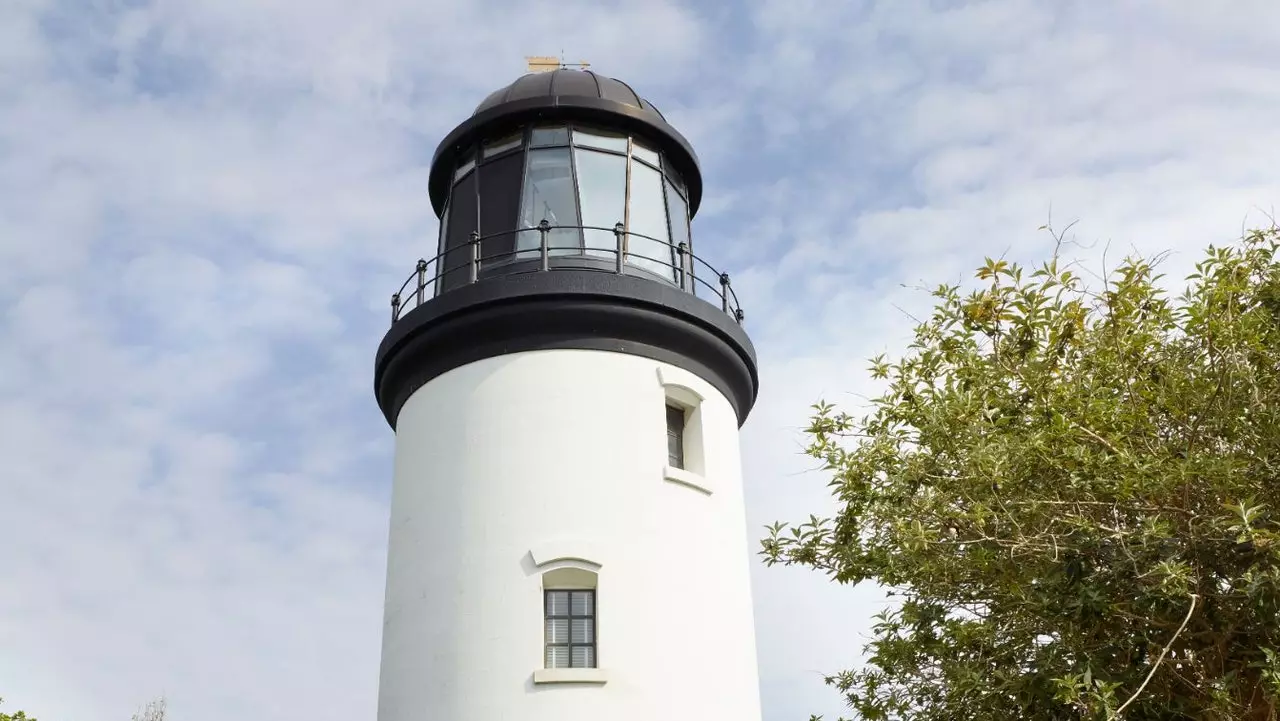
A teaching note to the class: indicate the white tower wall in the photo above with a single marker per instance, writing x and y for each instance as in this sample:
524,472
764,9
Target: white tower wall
511,466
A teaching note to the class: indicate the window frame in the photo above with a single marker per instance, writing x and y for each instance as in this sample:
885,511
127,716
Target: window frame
570,617
478,155
676,434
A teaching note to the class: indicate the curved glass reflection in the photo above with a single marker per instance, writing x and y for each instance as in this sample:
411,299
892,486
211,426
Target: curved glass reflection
602,186
572,176
549,195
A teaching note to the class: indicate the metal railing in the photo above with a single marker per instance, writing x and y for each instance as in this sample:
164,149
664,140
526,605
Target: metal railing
466,265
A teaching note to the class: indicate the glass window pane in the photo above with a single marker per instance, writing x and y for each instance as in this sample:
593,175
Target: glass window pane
466,163
676,179
679,212
584,657
649,218
644,153
548,194
548,136
557,657
600,139
557,630
582,603
602,182
675,437
465,168
501,145
558,603
582,631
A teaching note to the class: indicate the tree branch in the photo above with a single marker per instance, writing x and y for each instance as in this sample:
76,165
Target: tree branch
1156,665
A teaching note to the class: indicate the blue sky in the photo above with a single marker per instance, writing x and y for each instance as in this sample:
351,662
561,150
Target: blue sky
205,205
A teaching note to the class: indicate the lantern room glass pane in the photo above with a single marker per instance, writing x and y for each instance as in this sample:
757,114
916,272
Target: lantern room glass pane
549,195
679,212
466,167
600,139
602,182
649,218
675,178
542,137
502,145
639,150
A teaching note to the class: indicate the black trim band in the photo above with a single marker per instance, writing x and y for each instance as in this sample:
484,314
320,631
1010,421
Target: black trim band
587,310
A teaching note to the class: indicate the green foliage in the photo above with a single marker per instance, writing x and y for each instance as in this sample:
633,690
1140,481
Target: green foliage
18,716
1072,497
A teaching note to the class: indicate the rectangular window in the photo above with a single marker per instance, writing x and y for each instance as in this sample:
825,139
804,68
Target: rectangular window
602,183
675,436
502,145
649,239
549,195
571,629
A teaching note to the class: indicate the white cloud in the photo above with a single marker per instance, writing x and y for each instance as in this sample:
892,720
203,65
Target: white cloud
205,205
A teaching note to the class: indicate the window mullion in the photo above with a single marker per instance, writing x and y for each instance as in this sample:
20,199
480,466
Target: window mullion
577,201
626,207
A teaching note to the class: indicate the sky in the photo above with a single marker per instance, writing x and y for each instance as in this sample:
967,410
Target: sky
205,205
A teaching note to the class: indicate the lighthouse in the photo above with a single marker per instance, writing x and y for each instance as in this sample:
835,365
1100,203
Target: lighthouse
566,377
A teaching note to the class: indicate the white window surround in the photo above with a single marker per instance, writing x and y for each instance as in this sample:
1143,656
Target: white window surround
597,676
566,552
682,388
549,557
686,478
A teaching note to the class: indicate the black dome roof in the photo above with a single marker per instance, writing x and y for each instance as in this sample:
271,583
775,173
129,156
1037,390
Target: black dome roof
581,83
565,95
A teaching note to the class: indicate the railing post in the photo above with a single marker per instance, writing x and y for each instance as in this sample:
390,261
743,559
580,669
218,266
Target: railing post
724,291
475,256
395,307
682,251
619,231
422,280
544,228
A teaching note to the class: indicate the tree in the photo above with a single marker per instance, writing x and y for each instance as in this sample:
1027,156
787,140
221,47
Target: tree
1071,497
19,716
154,711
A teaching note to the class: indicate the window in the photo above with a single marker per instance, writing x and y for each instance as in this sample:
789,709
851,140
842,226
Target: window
541,137
679,212
601,139
602,182
684,408
502,145
570,628
569,176
649,247
468,164
675,436
645,154
549,195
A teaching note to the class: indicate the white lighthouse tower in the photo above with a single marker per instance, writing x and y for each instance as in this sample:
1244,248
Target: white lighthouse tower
566,382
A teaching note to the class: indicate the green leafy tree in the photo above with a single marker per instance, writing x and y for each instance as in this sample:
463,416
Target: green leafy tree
1071,495
18,716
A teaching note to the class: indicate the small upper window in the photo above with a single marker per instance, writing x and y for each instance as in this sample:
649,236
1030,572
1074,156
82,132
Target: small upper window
675,436
502,145
600,139
641,152
467,166
571,628
541,137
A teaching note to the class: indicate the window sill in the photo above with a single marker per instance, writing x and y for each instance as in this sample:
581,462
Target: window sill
596,676
686,478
